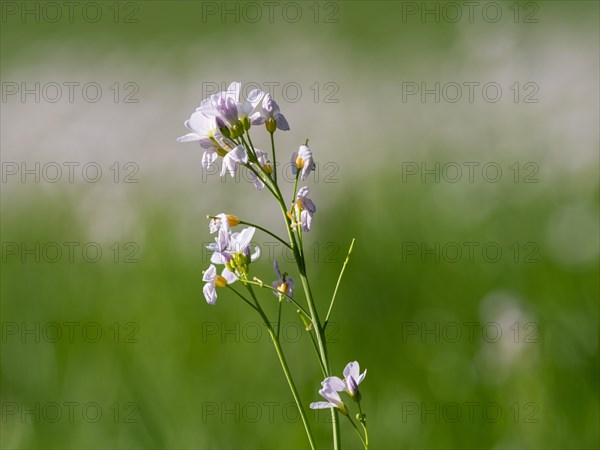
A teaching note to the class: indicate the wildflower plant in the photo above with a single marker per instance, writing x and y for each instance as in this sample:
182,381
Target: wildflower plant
221,125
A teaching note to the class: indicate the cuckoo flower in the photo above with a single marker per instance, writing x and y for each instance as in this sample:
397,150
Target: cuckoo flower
302,160
352,378
263,160
229,107
284,285
232,159
213,280
222,220
269,114
304,208
333,400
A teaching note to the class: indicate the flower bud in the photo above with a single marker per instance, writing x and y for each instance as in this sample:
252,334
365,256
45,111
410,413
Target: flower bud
246,123
232,220
271,125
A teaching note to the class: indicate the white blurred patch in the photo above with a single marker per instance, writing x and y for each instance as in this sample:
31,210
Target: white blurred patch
573,235
510,337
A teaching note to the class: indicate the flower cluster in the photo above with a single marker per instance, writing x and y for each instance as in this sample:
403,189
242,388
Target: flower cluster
221,126
333,385
231,250
220,122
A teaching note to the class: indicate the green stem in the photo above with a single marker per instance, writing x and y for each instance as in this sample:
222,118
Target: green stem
365,444
363,422
264,230
337,285
274,158
279,315
284,366
265,286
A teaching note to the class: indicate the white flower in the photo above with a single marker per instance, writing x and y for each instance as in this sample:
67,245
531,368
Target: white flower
284,284
229,107
333,400
352,378
263,160
231,160
304,208
223,220
303,160
228,245
269,113
213,281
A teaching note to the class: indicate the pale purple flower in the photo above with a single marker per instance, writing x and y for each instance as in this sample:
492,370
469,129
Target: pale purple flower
222,220
333,400
213,280
263,160
304,209
228,105
228,244
284,284
232,159
269,109
352,378
302,160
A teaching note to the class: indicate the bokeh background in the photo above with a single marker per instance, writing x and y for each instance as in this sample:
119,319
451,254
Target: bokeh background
494,348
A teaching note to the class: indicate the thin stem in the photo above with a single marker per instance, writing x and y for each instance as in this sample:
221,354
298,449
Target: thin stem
365,444
266,286
243,298
338,284
274,157
321,344
279,315
284,366
363,422
264,230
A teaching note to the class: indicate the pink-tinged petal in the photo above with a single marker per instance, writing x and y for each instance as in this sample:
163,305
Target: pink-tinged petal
335,383
352,369
281,122
255,96
239,155
362,377
322,405
257,118
208,158
210,274
255,255
190,137
229,276
210,293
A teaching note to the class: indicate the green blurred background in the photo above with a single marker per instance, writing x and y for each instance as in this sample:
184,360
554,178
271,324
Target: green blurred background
463,350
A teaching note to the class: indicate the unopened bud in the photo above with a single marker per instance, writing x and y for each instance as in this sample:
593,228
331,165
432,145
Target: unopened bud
271,125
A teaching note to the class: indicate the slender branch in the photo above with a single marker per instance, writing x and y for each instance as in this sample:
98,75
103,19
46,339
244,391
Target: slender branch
337,285
274,157
266,286
284,366
264,230
365,444
243,298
